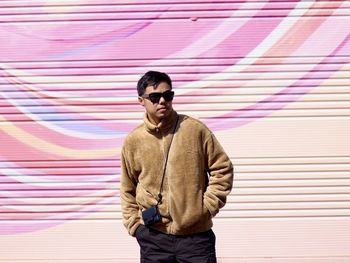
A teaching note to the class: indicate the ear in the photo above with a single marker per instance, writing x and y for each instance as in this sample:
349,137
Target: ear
141,101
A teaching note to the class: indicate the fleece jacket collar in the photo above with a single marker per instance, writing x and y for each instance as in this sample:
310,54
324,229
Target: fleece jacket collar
164,126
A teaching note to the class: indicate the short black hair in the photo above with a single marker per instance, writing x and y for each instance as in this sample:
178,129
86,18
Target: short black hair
152,78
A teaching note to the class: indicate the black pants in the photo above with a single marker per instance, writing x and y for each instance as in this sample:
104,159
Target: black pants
157,247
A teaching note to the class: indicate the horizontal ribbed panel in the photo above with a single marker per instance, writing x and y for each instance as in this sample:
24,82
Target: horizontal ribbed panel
20,12
269,78
263,187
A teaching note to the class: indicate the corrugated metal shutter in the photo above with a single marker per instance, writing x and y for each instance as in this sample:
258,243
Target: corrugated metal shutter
270,78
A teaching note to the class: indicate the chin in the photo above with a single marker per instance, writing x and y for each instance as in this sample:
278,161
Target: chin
167,113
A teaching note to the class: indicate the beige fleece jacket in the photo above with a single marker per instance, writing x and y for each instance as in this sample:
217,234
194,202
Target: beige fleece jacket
198,178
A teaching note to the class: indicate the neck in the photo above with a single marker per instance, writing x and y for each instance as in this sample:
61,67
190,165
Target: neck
154,121
164,124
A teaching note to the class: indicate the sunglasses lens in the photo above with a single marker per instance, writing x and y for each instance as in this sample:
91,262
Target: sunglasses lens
168,95
155,97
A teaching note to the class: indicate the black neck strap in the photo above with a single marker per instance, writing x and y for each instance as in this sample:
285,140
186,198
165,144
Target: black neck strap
165,163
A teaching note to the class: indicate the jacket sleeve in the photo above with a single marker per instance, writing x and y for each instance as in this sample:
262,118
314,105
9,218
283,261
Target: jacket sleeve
220,171
128,183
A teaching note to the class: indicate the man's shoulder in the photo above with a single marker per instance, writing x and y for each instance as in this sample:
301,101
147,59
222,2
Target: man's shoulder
193,122
137,129
135,133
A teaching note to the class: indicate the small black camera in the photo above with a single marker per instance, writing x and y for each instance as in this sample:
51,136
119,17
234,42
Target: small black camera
151,216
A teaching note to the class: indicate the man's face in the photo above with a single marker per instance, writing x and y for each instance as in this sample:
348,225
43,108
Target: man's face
158,110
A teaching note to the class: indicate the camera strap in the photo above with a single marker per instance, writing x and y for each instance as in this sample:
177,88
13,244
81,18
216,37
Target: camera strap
165,163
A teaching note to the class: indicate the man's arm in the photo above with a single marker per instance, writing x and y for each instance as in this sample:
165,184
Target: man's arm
220,171
130,209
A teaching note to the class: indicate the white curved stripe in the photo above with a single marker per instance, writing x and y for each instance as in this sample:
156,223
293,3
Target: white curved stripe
59,129
332,31
214,37
256,53
28,77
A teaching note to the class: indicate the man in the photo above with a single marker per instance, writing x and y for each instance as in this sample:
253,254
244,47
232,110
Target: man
175,178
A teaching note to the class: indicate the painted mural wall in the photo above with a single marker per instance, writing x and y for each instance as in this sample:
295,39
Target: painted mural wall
270,78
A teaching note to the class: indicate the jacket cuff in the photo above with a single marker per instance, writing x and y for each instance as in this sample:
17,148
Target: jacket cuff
132,230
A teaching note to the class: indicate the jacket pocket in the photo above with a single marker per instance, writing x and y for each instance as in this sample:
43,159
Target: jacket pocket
206,210
144,198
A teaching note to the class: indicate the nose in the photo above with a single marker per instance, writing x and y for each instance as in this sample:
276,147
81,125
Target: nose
162,100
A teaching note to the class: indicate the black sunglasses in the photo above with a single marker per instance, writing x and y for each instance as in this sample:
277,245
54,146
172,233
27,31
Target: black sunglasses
155,96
